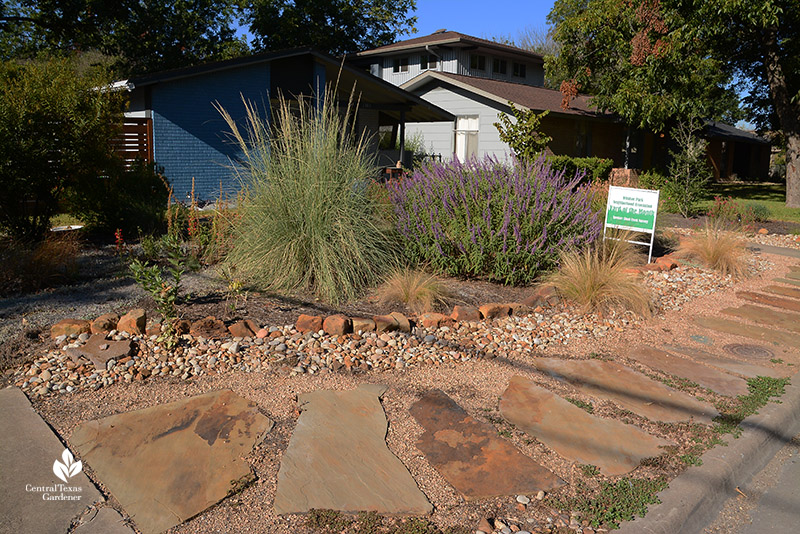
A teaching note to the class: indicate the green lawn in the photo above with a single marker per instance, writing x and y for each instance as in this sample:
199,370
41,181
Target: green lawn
771,195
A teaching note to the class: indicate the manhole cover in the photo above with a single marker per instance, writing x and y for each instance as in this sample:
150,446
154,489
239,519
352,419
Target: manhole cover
749,351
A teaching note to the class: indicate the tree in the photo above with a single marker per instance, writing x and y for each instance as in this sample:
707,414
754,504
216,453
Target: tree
633,58
54,132
757,41
524,134
335,26
142,36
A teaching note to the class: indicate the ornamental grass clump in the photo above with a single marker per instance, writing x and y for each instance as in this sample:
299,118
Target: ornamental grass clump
717,248
483,218
420,291
306,221
601,277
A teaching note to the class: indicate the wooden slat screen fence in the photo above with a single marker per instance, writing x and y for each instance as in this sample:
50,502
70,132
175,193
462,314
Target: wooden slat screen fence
135,141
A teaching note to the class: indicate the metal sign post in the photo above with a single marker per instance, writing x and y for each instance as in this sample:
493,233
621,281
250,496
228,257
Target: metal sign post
634,210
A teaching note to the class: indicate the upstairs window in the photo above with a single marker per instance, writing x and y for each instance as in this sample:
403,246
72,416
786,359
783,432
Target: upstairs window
520,70
499,66
427,61
477,62
400,64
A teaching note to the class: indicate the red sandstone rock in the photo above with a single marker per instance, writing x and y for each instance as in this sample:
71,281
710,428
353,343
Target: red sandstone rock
308,323
133,322
337,325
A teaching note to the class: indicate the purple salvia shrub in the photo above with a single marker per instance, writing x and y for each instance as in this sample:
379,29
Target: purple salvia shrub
506,222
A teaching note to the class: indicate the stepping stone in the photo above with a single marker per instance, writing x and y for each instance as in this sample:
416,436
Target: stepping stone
337,458
766,316
29,486
718,381
793,275
106,521
786,281
99,350
705,340
168,463
746,369
776,337
784,291
471,456
769,300
629,389
614,447
794,268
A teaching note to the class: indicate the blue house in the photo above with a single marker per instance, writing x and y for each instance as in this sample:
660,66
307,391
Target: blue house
172,118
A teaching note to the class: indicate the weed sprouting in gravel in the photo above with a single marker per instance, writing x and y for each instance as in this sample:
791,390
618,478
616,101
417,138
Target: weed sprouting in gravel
581,404
733,412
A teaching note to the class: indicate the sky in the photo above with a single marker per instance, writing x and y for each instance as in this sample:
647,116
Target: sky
481,18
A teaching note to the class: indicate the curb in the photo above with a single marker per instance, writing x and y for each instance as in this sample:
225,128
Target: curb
693,499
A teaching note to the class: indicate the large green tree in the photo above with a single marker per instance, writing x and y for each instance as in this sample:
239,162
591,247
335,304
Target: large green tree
633,58
758,41
140,36
334,26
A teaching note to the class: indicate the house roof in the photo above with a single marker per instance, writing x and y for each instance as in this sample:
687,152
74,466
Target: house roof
523,96
372,92
720,129
448,38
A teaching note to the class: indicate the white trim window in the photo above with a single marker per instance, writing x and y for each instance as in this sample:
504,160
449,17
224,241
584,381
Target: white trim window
466,137
400,64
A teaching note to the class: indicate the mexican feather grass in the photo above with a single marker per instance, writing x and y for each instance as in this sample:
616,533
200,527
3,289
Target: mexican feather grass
307,221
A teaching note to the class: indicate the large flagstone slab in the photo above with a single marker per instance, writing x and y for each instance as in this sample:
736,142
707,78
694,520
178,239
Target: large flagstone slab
99,350
760,333
786,281
793,275
785,291
614,447
747,369
33,499
337,458
168,463
770,300
471,456
105,521
766,316
718,381
629,389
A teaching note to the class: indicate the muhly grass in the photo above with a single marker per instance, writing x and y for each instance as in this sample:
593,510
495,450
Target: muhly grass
507,222
717,248
600,277
420,291
307,222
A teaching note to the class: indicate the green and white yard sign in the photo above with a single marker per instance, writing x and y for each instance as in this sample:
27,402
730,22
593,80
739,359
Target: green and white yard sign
634,210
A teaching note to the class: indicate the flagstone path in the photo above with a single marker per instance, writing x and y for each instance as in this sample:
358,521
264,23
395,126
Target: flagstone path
770,300
471,456
718,381
106,521
170,462
614,447
29,448
786,281
337,458
738,367
776,337
784,291
629,389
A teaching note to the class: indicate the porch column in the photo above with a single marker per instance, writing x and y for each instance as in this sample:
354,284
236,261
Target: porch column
402,136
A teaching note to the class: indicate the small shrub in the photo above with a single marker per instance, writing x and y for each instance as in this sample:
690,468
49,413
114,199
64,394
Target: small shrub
597,278
483,218
164,293
593,169
25,267
421,292
306,221
689,172
718,249
524,134
735,213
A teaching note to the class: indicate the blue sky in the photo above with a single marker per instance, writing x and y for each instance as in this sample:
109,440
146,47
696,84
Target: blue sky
481,18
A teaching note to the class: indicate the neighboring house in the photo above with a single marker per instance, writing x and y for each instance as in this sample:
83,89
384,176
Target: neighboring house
474,79
172,118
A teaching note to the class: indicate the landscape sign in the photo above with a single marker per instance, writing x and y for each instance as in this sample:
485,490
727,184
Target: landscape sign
632,209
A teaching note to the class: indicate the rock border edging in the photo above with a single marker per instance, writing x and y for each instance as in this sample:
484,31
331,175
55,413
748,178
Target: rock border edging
695,497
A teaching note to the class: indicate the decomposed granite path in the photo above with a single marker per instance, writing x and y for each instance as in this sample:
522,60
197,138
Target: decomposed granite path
614,447
471,456
337,458
631,390
33,499
170,462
